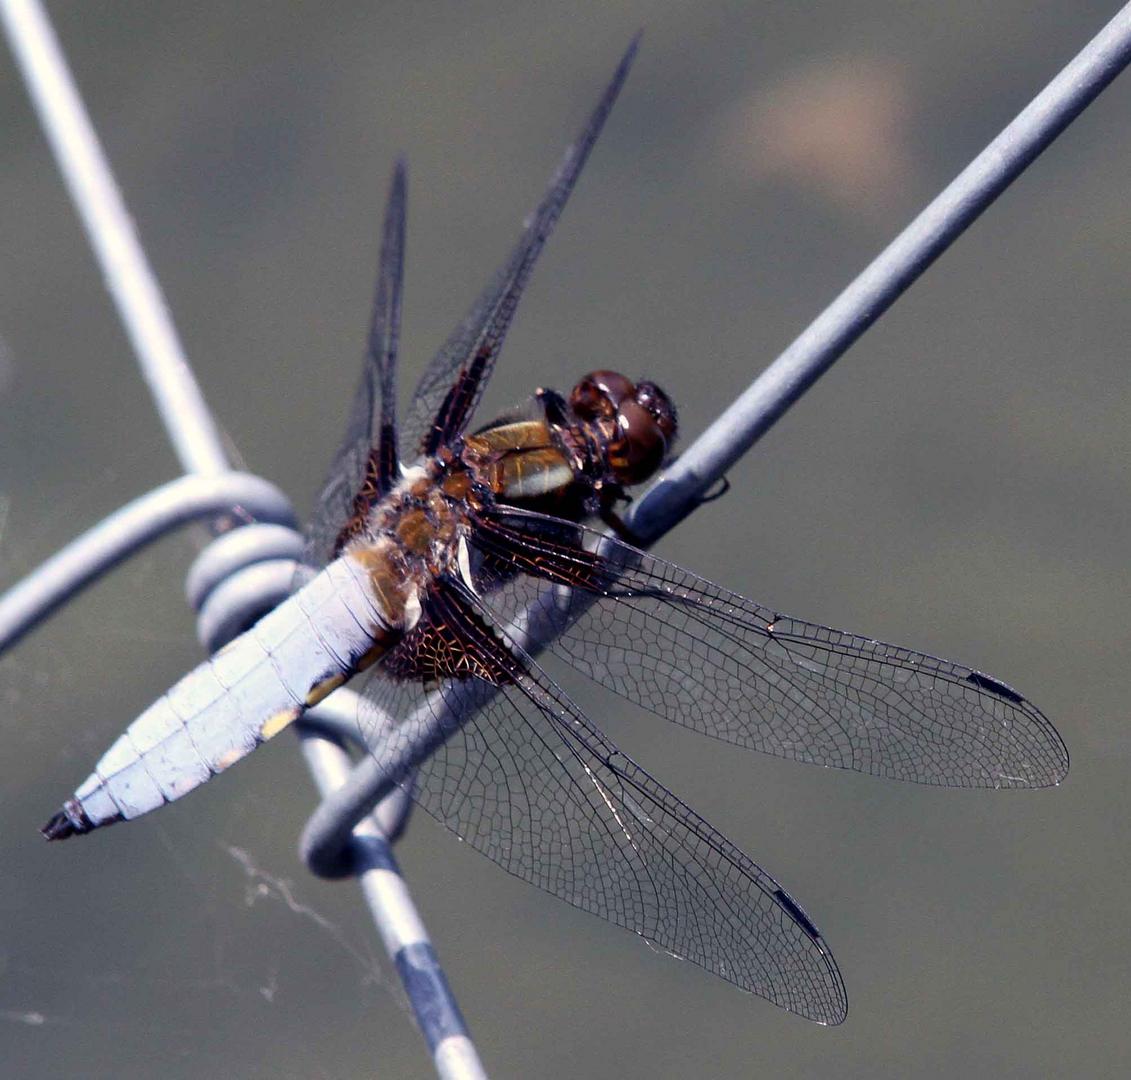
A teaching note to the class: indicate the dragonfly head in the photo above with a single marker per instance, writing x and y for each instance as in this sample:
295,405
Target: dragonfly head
640,415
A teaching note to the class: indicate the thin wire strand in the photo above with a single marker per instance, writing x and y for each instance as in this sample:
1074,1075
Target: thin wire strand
402,931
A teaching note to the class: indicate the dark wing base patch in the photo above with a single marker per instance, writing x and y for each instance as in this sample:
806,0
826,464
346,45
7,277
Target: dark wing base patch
452,641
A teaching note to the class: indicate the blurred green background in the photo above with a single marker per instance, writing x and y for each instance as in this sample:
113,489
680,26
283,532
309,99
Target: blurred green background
960,483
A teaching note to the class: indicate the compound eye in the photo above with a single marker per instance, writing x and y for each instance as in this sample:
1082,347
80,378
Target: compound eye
599,393
640,450
660,406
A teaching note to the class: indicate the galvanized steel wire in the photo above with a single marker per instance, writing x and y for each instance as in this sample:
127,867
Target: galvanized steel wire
255,576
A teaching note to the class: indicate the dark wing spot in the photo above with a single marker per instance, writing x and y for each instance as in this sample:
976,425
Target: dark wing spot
995,686
799,916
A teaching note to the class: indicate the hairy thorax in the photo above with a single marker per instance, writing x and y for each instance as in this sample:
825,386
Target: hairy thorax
568,460
412,537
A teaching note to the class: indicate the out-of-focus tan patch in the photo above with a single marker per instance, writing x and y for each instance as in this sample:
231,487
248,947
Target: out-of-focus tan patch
838,127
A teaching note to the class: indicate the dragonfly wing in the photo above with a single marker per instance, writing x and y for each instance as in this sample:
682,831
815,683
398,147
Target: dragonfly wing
529,782
456,377
365,466
715,662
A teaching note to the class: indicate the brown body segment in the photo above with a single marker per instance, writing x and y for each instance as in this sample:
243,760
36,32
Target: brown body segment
529,474
526,459
415,532
521,435
389,575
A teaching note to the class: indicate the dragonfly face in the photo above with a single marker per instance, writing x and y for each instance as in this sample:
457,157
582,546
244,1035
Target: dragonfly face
430,579
636,423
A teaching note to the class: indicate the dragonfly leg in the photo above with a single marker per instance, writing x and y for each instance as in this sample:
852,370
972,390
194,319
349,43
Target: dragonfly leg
609,496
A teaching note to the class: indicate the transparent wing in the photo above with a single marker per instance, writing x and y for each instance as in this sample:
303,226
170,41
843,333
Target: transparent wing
717,663
366,462
454,380
529,782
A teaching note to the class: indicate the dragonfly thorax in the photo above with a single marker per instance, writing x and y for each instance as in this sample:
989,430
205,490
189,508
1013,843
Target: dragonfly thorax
610,433
411,537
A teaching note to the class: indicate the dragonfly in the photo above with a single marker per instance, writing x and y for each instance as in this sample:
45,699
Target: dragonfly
432,548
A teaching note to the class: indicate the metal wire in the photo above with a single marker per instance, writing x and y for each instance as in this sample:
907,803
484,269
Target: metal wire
240,578
881,283
681,488
402,930
124,532
135,291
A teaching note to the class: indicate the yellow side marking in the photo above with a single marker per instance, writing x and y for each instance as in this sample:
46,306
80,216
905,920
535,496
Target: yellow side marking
375,651
323,689
274,724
